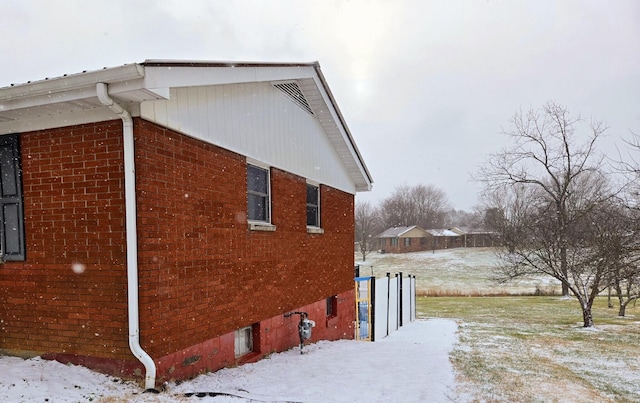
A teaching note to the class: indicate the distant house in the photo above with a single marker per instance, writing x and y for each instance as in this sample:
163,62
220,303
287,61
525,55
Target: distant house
402,239
474,238
159,219
445,239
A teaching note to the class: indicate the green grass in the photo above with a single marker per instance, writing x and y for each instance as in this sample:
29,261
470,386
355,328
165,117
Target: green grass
517,347
534,349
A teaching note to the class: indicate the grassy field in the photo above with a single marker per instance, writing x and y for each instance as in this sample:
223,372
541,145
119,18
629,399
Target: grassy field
462,271
519,348
534,349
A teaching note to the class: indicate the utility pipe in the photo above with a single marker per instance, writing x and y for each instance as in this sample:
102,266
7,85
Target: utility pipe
132,235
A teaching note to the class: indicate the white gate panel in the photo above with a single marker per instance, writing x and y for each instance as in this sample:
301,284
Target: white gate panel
406,300
413,298
394,307
381,308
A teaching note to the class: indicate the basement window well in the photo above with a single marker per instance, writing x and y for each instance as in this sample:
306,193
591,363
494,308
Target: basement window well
243,341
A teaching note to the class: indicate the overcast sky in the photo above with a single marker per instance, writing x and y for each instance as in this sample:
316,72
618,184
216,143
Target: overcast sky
425,86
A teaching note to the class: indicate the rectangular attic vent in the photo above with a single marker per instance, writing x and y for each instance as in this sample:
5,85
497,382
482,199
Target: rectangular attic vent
292,90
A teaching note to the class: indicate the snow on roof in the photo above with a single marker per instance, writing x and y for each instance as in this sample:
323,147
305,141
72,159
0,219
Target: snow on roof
442,232
396,232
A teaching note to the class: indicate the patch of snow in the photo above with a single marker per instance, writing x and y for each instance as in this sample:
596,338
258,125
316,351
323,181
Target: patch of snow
411,365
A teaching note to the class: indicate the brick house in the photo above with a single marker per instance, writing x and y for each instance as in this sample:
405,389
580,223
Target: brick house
160,218
402,239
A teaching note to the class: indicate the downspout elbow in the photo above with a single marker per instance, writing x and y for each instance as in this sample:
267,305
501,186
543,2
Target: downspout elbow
102,92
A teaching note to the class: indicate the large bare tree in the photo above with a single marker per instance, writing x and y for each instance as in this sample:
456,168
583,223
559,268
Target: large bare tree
423,205
550,188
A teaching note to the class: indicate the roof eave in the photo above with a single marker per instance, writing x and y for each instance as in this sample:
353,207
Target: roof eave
72,82
368,182
151,79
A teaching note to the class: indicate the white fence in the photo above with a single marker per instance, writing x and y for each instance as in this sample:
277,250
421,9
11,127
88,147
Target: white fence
391,304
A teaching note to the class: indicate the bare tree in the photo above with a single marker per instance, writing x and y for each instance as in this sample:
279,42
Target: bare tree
551,189
367,225
423,205
622,251
461,218
625,279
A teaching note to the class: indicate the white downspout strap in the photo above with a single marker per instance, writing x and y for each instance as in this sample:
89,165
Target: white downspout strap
132,234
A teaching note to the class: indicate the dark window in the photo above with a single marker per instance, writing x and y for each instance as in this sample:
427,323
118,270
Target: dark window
313,206
257,193
11,211
407,242
332,306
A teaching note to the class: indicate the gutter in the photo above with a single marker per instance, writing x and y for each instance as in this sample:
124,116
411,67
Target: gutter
132,235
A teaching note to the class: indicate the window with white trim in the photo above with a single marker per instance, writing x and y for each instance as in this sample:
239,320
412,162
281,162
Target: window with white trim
258,200
313,205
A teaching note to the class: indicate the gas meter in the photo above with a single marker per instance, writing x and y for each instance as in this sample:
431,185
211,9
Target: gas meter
304,326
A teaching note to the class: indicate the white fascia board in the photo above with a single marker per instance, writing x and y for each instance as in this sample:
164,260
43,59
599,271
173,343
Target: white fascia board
137,90
53,97
348,141
186,76
72,82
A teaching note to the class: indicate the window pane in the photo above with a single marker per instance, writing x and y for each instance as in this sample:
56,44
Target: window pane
8,170
243,341
312,194
257,193
257,179
11,212
313,216
257,207
11,228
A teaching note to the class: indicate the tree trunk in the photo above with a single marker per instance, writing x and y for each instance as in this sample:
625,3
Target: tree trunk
623,305
564,270
587,317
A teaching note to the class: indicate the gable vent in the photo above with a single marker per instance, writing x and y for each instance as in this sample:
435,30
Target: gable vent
291,90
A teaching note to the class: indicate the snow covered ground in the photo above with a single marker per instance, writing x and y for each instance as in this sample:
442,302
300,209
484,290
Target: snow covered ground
452,271
410,365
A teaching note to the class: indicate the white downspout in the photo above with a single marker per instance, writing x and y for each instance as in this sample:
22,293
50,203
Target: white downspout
132,234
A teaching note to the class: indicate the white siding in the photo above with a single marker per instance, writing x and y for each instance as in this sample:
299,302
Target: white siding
255,120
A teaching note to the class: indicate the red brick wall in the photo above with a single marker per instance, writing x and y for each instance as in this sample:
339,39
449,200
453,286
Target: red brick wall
203,273
271,335
73,205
